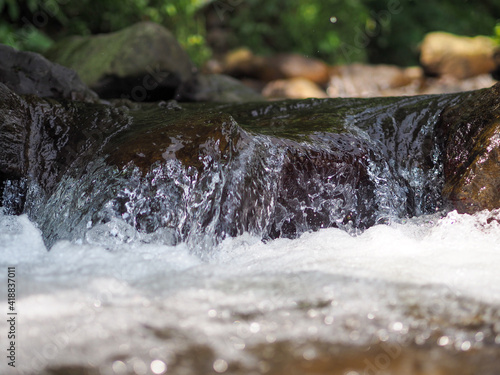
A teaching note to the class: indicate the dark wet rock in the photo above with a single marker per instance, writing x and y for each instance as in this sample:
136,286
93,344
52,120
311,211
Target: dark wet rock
471,137
457,56
40,138
143,62
28,73
202,172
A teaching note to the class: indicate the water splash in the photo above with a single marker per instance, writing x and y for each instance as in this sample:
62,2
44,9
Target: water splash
281,171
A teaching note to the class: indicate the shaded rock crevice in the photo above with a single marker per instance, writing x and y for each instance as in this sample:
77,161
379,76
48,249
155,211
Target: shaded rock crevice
470,133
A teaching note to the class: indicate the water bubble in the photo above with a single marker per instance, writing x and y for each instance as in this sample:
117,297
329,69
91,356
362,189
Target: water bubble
329,319
479,336
466,345
397,326
270,338
382,335
312,313
140,367
309,354
220,365
119,367
158,367
443,341
254,327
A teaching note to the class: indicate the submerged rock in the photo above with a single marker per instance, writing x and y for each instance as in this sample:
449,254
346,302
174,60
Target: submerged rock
143,62
28,73
202,172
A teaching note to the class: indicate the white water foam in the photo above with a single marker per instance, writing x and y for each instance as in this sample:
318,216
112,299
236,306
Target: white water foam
125,303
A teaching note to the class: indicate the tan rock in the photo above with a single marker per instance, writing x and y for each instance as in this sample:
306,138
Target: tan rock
291,65
457,56
242,62
360,80
293,88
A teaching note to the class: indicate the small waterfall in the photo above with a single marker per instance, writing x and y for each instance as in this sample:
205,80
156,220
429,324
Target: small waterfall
200,173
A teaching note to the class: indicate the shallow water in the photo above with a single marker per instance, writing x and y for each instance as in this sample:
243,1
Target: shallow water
165,258
420,296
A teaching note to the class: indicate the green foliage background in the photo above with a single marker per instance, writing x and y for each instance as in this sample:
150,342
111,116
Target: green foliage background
338,31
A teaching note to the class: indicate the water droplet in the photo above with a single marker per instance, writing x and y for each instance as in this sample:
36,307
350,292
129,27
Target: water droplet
309,354
382,335
397,326
465,346
140,367
333,19
254,327
119,367
312,313
158,367
270,338
220,365
443,341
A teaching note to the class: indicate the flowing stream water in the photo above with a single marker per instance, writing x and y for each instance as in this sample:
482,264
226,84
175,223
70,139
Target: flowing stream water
272,255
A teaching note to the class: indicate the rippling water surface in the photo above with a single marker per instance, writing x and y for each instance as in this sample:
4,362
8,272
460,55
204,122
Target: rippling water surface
421,295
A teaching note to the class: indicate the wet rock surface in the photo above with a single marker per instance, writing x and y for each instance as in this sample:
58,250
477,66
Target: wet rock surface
129,180
205,172
40,139
28,73
211,171
471,137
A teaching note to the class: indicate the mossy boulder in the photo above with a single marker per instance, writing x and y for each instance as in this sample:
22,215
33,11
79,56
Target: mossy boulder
143,62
